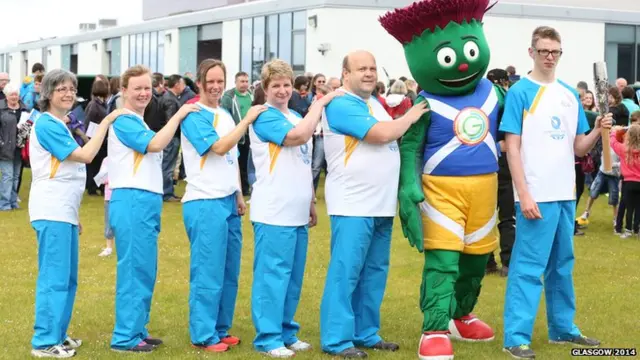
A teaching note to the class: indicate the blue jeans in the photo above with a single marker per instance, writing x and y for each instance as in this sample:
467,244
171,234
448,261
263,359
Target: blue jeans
318,162
10,170
603,184
169,159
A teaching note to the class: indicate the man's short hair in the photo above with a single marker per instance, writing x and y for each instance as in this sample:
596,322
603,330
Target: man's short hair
497,76
583,85
37,67
173,80
240,74
628,92
544,32
511,70
157,79
100,89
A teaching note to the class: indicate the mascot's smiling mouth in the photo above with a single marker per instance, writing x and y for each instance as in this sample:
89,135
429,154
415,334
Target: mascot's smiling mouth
459,82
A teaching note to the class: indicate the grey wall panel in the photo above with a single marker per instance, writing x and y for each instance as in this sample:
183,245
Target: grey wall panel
154,9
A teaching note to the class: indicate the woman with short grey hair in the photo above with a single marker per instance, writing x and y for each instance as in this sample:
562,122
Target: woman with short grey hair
58,171
10,158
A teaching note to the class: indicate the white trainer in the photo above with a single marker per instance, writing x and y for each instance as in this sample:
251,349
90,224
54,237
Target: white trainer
280,353
56,351
106,252
300,346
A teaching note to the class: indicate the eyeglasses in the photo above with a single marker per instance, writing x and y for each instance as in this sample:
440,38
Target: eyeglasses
545,52
64,90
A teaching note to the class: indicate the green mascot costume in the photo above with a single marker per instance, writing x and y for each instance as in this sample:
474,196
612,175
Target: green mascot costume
449,164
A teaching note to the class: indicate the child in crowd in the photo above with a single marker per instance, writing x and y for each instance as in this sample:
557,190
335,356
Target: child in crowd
634,119
626,144
103,178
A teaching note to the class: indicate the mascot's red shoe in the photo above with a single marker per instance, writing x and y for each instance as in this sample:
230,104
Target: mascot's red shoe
470,328
435,345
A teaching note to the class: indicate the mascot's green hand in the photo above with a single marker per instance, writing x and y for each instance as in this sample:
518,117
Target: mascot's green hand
410,193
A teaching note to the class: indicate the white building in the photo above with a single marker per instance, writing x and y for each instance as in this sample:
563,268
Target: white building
314,35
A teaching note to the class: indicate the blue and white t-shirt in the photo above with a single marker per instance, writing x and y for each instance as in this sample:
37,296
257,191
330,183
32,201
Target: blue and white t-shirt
58,183
548,117
283,189
209,175
362,178
130,164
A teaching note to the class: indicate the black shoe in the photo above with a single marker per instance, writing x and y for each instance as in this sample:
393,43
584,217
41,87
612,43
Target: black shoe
351,353
385,346
579,341
142,347
153,342
520,352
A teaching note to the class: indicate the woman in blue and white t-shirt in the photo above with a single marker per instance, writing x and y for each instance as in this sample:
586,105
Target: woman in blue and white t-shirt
58,168
135,175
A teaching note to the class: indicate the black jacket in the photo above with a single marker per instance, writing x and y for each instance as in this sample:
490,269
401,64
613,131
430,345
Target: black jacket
170,105
9,119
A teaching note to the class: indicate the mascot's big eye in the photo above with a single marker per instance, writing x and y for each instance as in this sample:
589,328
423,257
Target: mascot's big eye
471,50
447,57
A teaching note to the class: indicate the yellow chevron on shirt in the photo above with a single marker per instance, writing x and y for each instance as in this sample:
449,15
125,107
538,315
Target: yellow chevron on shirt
274,151
55,164
350,143
137,159
534,104
203,159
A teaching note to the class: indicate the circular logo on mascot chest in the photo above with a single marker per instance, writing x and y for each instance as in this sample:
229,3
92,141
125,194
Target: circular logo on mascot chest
471,126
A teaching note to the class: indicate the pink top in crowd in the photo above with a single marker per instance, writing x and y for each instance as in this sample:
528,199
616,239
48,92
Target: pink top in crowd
629,172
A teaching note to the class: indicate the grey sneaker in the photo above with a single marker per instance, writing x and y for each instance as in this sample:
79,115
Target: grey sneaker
520,352
70,343
578,340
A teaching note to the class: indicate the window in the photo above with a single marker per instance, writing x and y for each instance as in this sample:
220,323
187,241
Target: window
280,36
272,37
300,20
246,45
146,50
626,62
132,50
637,63
299,48
153,51
284,37
258,47
160,52
299,42
139,49
2,63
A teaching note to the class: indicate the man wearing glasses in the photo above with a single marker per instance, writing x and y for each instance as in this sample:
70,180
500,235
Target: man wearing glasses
544,126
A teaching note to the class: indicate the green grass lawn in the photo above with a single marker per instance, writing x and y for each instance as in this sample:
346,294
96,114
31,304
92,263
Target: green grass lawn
606,283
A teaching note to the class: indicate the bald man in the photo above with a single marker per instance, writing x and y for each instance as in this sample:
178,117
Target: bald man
361,194
334,83
621,83
4,80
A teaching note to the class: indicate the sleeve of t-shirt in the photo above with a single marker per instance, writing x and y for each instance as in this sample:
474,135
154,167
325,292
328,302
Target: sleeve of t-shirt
55,138
511,121
583,124
349,117
132,133
199,131
272,126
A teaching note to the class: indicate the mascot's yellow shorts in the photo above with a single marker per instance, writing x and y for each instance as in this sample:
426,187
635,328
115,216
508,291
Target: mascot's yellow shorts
459,213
